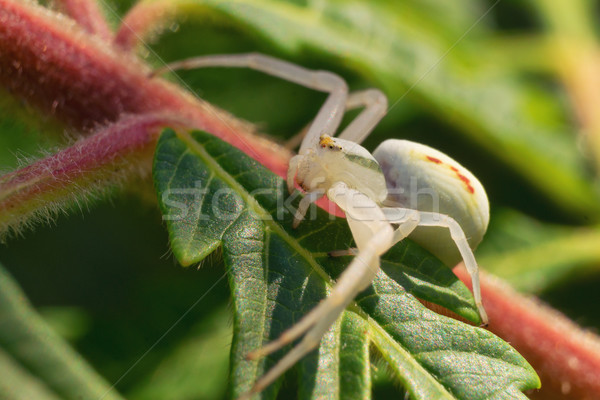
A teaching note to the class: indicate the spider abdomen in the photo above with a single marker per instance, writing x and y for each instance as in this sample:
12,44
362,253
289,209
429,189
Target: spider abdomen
425,179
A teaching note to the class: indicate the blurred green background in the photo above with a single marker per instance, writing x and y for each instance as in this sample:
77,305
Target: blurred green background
498,94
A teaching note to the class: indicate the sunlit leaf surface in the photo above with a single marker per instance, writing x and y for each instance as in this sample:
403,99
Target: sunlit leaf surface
212,195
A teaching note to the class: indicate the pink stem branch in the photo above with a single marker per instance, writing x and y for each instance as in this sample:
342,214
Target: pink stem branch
141,20
88,16
57,67
105,158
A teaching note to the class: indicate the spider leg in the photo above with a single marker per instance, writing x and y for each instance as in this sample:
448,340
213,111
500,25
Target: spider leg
291,173
354,279
459,238
340,253
407,224
306,201
407,220
329,116
375,104
364,214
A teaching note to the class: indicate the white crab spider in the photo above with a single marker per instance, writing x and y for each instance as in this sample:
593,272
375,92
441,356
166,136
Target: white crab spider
402,189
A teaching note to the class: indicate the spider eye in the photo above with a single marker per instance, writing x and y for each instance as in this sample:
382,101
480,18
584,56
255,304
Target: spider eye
331,147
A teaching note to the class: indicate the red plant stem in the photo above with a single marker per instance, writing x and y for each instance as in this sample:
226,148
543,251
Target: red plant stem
50,62
91,164
139,21
88,16
566,357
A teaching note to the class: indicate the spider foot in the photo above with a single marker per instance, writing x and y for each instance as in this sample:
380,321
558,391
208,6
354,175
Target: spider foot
353,251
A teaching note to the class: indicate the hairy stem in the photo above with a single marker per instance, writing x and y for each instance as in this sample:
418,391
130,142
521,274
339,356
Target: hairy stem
91,165
53,64
88,16
140,21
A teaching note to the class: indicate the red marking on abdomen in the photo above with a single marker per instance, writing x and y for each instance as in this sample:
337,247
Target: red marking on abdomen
460,176
464,179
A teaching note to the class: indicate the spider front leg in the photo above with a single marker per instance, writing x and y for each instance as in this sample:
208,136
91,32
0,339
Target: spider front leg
457,234
329,116
291,173
375,107
306,201
373,236
422,218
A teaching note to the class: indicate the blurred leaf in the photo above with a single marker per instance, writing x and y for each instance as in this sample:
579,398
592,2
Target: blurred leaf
395,50
70,323
205,352
34,362
535,256
525,52
16,383
573,18
212,195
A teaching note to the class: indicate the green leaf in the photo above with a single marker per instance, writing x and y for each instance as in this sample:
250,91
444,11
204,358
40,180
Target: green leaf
212,196
441,358
34,362
397,51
